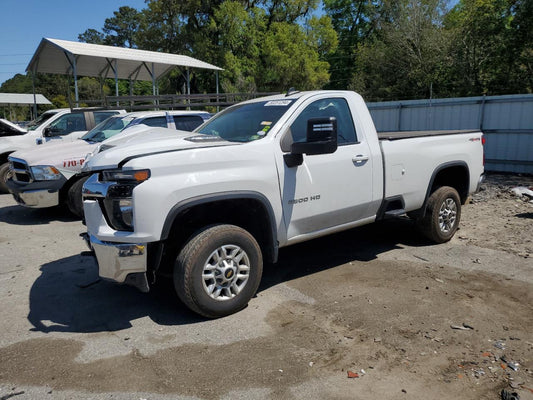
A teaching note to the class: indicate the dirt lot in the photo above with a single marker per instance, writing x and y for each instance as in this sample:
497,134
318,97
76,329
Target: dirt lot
376,302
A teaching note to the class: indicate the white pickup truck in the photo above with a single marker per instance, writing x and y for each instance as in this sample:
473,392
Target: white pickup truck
53,126
209,207
48,176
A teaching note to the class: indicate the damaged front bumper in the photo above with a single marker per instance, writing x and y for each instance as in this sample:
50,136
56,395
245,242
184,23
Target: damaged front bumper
124,263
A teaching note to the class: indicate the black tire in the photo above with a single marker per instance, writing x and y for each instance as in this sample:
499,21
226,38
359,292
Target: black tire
443,214
74,198
5,174
190,281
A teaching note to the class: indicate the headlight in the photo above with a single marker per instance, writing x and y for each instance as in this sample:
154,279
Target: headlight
125,176
118,202
45,173
88,156
103,147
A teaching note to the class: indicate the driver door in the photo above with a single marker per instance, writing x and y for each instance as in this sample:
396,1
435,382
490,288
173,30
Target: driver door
326,190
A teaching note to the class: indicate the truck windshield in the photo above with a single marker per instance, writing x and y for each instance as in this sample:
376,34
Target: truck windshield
107,128
39,121
246,122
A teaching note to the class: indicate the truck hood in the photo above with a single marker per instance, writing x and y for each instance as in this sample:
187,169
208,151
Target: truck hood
149,142
54,153
142,134
14,143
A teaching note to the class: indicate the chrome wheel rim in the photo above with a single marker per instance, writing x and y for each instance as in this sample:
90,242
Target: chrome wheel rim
226,272
447,215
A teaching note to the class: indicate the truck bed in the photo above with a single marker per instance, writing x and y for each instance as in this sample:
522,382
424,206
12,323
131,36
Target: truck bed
413,134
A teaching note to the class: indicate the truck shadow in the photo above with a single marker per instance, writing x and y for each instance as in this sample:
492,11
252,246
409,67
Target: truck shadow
19,215
359,244
69,296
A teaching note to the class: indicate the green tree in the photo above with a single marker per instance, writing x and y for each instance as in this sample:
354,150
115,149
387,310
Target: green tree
492,50
406,56
122,29
520,44
92,36
288,60
254,41
240,32
354,22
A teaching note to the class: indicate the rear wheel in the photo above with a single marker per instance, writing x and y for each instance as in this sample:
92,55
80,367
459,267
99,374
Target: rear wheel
218,271
74,198
5,174
443,214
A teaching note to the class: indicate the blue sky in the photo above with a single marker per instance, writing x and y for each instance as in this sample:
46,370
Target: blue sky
26,22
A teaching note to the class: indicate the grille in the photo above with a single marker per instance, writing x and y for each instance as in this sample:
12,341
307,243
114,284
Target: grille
21,171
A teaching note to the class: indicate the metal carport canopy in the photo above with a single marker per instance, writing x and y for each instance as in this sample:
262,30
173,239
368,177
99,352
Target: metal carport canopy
84,59
20,99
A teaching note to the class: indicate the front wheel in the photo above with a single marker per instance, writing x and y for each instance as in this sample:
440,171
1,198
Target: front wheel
218,271
75,199
443,214
5,174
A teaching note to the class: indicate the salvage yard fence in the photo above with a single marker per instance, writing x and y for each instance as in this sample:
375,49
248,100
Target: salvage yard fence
506,121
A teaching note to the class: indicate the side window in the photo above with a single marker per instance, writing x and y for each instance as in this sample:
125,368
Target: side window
324,108
99,116
187,122
69,123
155,121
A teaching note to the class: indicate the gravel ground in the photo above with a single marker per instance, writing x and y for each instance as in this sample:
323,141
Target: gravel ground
375,312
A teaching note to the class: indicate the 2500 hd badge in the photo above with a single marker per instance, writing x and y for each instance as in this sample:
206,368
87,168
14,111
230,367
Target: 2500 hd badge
305,199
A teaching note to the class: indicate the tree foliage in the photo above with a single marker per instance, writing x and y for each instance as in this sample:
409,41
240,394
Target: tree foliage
120,30
406,54
492,49
385,49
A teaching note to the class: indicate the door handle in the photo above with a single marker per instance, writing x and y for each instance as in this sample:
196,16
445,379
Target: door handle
360,159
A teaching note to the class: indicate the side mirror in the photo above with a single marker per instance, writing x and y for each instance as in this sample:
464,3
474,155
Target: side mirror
50,132
321,137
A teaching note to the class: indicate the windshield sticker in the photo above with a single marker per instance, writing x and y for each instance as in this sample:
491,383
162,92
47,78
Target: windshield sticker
265,123
263,131
274,103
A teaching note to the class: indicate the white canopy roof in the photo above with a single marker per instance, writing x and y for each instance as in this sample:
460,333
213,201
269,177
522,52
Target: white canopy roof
21,99
61,56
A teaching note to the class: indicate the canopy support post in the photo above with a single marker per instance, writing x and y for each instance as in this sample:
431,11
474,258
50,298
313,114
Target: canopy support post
188,81
154,90
34,95
188,88
76,94
72,61
216,76
115,70
152,73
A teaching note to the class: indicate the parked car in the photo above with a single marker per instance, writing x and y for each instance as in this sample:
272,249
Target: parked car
210,206
53,126
49,175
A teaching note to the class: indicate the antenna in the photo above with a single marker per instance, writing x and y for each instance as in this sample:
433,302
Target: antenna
291,91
